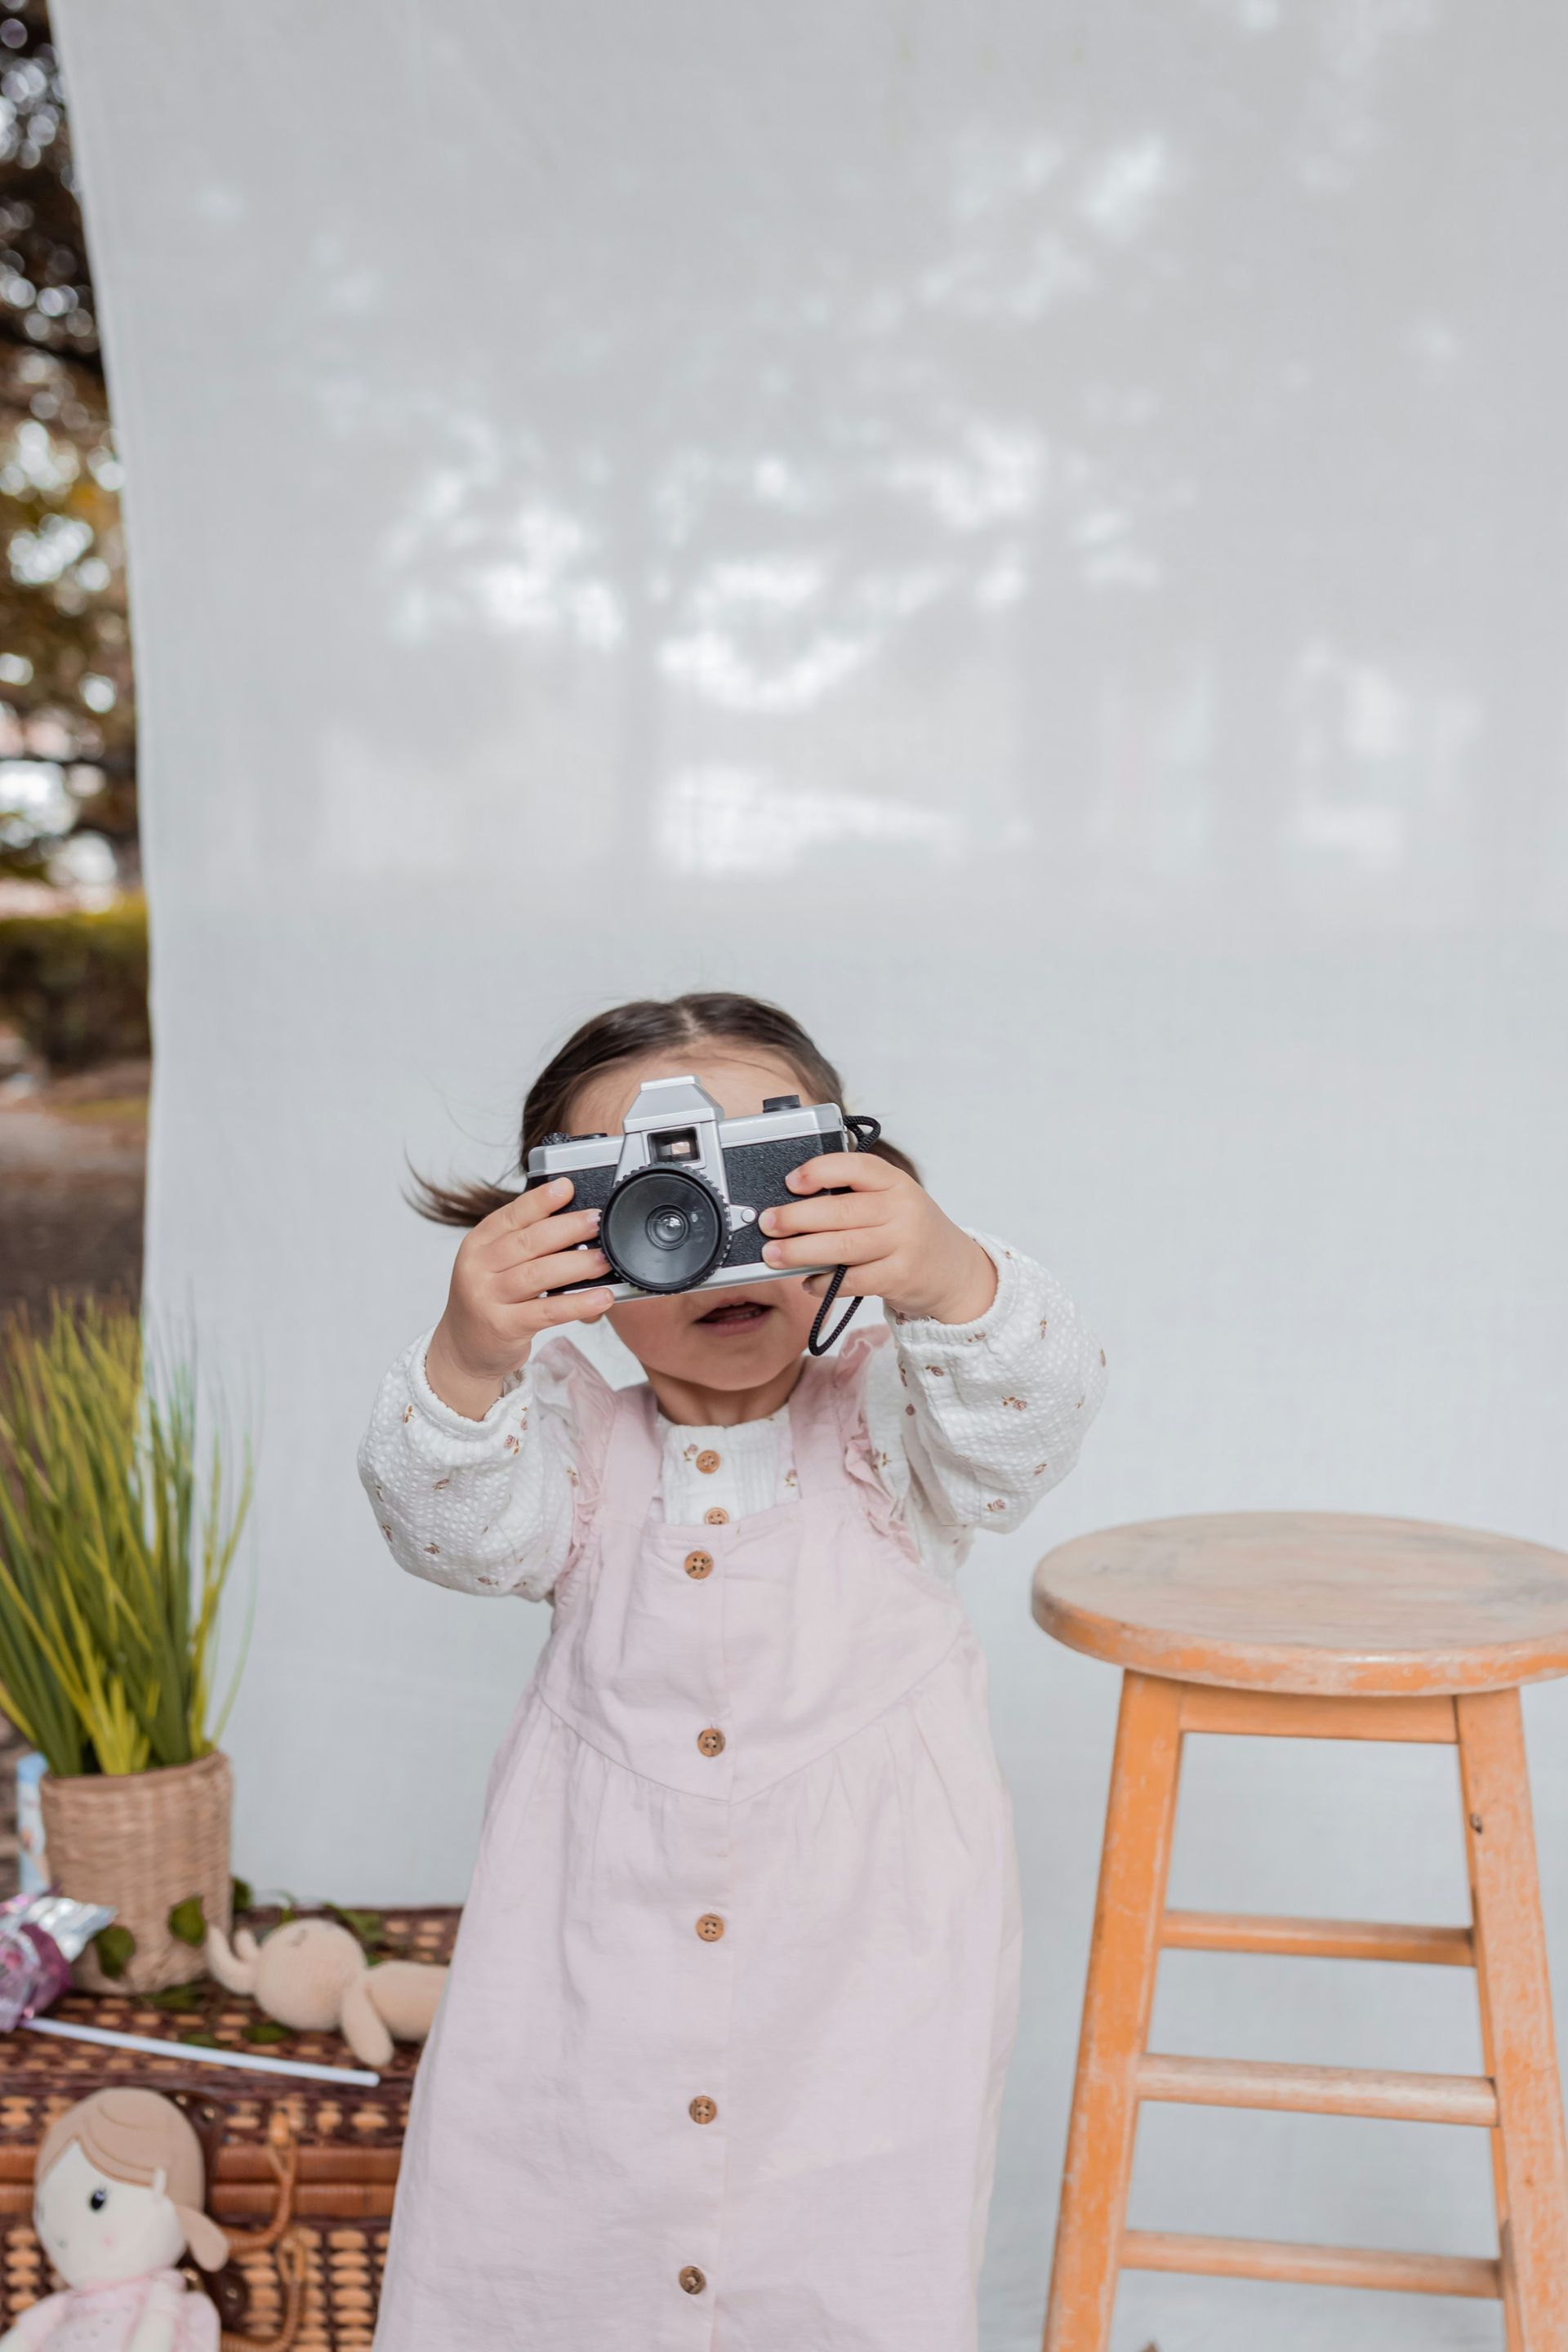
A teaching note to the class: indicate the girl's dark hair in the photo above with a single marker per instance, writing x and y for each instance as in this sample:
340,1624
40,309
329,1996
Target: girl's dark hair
626,1033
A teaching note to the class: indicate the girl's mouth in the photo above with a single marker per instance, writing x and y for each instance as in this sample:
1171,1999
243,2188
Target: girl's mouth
735,1314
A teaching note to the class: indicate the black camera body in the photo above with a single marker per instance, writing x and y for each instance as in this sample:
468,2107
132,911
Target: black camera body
681,1189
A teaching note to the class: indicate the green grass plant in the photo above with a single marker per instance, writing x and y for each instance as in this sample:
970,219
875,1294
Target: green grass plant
120,1516
76,984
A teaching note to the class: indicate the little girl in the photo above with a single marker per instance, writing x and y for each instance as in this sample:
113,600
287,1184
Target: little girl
720,2056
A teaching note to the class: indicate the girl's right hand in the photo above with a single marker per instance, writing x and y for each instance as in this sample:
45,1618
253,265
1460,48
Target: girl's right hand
494,1310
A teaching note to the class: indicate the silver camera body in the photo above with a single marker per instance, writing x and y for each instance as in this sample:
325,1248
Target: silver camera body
680,1189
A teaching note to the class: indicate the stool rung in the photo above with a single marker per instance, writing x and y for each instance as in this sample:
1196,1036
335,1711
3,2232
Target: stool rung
1428,1720
1261,2258
1318,2090
1327,1939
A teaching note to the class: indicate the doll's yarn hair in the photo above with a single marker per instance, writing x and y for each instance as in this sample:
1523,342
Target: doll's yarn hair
133,2135
626,1032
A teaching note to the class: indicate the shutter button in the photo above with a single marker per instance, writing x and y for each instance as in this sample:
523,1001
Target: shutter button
711,1742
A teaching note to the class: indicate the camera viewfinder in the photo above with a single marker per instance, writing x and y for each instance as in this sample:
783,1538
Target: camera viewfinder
676,1143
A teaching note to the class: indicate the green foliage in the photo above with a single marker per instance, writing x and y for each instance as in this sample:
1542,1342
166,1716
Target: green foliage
65,687
266,2028
116,1947
368,1927
242,1897
76,984
187,1921
118,1532
177,1999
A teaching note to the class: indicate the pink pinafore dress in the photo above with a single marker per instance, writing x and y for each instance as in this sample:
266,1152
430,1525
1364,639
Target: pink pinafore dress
720,2059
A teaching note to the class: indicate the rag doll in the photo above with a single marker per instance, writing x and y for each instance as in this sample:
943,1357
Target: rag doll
312,1975
120,2194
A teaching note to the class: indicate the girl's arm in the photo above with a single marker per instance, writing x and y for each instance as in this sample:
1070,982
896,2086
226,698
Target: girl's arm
474,1459
970,1423
983,1400
485,1506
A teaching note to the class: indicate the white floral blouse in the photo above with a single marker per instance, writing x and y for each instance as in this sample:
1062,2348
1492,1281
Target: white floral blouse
968,1424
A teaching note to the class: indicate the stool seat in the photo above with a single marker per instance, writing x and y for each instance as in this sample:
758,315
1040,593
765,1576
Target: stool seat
1311,1602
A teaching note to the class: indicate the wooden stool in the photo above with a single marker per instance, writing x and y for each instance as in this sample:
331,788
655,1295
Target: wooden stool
1316,1627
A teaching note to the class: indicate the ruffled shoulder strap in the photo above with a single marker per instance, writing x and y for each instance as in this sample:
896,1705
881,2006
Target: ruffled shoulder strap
573,1390
841,1395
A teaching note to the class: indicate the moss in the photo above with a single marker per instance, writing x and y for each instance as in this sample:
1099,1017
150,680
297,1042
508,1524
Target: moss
76,984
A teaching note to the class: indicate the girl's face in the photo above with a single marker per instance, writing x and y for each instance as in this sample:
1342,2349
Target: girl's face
733,1339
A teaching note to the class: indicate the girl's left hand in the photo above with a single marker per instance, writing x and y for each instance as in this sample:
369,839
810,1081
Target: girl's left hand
896,1245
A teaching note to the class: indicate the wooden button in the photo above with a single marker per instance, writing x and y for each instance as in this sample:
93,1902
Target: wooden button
700,1563
711,1742
692,2279
717,1517
702,2111
710,1927
708,1460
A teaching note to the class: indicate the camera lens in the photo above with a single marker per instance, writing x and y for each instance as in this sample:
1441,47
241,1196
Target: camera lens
663,1230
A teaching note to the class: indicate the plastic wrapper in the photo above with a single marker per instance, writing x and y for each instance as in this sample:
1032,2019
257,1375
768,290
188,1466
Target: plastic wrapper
40,1936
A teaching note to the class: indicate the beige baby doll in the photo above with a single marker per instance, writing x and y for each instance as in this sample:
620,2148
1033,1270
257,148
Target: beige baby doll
312,1975
120,2195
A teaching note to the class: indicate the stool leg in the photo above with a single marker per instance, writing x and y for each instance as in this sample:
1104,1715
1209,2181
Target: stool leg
1119,1993
1516,2020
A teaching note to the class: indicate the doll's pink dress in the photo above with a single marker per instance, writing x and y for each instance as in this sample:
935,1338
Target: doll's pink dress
104,2318
720,2056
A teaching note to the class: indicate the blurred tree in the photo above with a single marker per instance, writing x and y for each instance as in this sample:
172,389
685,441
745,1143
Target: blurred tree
68,775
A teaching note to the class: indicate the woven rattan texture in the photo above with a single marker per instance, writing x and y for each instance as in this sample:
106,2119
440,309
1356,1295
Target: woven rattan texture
349,2136
144,1841
343,2266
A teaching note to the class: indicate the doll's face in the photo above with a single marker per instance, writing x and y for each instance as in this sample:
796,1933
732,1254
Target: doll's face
97,2231
738,1338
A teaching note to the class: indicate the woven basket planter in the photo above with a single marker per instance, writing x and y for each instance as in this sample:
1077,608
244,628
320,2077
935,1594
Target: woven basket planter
144,1841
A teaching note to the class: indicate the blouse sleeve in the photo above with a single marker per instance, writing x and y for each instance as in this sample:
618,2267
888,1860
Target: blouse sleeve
494,1505
970,1423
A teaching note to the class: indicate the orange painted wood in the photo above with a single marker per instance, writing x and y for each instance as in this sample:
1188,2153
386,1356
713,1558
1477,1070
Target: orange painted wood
1513,2326
1123,1957
1263,2258
1287,1715
1290,1625
1327,1939
1318,2090
1311,1602
1529,2148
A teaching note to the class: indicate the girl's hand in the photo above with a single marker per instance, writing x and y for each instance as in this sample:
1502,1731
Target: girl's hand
888,1230
494,1308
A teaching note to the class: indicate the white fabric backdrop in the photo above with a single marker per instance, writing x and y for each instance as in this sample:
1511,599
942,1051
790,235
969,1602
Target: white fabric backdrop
1033,534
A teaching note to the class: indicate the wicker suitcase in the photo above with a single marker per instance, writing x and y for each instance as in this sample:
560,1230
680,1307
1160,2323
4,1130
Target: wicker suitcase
344,2144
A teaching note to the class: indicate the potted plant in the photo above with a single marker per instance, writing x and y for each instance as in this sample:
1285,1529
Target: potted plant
118,1523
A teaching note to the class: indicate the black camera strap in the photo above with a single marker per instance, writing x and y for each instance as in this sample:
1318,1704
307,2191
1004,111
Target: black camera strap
865,1131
